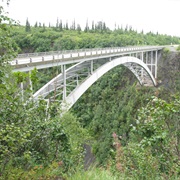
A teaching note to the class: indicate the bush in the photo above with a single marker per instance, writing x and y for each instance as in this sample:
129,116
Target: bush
178,48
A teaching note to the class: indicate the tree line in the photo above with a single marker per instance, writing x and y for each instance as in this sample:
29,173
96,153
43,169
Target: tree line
61,37
93,27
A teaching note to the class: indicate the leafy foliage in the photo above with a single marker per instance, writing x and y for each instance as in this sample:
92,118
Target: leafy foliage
31,133
178,48
37,143
111,106
155,139
41,39
7,45
149,137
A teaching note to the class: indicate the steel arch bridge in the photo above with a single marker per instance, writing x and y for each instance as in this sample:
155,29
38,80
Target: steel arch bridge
86,67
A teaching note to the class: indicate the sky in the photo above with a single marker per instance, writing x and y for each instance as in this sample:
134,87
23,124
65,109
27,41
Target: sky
162,16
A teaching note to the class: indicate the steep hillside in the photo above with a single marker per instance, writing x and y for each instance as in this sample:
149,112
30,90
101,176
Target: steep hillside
112,105
169,72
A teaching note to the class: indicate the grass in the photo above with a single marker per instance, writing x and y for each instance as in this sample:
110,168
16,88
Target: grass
93,174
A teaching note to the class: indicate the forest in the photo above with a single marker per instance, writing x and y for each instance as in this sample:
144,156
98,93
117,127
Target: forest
61,37
132,130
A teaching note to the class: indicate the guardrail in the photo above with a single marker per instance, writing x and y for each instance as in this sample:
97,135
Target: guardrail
83,50
68,54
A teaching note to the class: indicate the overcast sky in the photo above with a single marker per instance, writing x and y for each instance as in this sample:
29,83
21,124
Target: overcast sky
161,16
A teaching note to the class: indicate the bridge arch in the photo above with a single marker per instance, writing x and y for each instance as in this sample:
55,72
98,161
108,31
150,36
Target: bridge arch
127,61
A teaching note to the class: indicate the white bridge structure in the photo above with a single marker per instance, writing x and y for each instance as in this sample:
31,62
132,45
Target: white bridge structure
81,68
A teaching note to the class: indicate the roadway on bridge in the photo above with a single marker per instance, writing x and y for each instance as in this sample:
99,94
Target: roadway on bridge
27,62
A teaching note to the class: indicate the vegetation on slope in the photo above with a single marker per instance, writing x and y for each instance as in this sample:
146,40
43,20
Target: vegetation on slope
133,132
41,38
146,127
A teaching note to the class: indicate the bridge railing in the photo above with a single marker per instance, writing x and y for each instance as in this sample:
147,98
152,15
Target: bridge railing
28,55
29,58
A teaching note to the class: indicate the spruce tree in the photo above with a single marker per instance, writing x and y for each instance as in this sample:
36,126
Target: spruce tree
36,25
93,26
86,27
67,28
44,27
60,26
78,28
28,27
57,23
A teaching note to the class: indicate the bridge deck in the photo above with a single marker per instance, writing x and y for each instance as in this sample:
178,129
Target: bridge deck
27,62
87,66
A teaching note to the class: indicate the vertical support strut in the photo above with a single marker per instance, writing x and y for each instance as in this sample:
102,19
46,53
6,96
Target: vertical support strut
151,61
63,70
92,67
77,80
142,58
146,58
156,64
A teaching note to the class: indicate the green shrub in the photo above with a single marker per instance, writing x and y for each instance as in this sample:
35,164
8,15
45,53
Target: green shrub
178,48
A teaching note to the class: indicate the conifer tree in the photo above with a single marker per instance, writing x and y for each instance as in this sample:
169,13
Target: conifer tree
57,23
86,27
78,28
36,25
67,28
44,27
93,26
28,27
60,25
73,27
104,28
